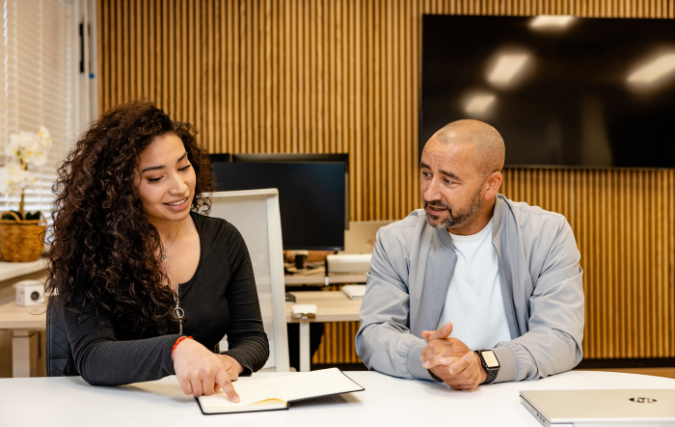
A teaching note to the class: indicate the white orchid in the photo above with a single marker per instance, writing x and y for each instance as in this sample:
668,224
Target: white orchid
40,157
14,178
23,148
5,180
45,138
14,146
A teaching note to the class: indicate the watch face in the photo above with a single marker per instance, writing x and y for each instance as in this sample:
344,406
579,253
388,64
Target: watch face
490,359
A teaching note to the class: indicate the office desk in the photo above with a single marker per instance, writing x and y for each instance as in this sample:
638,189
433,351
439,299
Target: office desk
387,401
17,319
11,270
332,306
320,279
21,321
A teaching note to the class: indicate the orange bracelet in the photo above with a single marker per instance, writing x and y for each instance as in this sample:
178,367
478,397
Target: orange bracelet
178,342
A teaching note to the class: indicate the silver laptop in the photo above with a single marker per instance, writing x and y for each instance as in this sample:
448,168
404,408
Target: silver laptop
601,408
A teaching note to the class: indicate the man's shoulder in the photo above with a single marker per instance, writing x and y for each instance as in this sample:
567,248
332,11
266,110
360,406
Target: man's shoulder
524,213
533,216
399,237
411,221
407,227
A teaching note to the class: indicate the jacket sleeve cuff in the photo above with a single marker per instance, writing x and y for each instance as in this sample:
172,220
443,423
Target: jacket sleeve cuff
167,360
243,361
414,364
508,370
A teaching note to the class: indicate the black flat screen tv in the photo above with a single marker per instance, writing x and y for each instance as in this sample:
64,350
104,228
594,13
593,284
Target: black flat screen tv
588,92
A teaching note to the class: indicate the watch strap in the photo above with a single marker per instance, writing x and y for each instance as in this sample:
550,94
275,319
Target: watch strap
492,375
491,372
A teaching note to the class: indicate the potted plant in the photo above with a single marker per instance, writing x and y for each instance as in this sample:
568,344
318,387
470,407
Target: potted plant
20,231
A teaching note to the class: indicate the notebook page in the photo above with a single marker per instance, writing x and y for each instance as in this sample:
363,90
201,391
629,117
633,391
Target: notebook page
249,392
313,384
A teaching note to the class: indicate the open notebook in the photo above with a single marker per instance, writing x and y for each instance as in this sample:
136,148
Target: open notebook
276,393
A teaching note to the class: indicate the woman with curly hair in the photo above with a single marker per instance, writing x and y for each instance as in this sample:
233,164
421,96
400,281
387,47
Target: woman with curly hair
139,271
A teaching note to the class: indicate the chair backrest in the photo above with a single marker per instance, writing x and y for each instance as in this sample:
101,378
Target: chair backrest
59,363
255,213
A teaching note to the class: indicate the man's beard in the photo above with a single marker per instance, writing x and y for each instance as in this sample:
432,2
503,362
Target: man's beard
454,219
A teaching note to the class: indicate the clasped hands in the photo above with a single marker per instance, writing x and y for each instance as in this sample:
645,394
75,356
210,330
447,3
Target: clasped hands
200,372
451,360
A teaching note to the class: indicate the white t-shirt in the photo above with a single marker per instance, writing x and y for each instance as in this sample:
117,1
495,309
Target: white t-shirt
474,302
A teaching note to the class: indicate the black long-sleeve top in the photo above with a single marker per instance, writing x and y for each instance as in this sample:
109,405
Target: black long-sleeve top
220,299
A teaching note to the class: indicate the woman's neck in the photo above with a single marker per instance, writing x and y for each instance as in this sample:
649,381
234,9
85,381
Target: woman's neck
167,229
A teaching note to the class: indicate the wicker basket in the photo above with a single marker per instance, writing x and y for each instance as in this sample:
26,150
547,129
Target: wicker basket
20,240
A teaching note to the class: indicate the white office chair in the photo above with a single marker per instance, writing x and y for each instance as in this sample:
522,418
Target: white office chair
255,213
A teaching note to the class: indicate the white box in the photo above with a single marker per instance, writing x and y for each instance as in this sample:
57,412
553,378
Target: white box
354,291
348,263
299,311
30,292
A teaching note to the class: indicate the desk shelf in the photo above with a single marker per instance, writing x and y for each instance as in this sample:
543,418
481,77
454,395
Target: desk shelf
11,270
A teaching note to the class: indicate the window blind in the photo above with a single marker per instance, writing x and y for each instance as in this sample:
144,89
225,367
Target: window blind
39,53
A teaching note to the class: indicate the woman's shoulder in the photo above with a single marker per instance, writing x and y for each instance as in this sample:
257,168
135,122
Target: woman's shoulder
216,229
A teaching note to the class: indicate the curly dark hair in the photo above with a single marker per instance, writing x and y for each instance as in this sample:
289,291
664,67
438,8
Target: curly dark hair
104,251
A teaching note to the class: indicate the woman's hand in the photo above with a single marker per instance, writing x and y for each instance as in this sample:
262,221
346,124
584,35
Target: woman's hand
200,372
231,365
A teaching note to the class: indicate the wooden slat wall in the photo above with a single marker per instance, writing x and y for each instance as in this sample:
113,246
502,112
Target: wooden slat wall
624,223
334,76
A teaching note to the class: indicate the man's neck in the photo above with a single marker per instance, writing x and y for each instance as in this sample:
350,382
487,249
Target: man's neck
477,222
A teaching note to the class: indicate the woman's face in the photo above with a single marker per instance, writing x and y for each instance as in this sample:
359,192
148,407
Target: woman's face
167,180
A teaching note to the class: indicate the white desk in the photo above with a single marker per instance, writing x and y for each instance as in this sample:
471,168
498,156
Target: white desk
331,306
21,321
11,270
387,401
320,279
17,319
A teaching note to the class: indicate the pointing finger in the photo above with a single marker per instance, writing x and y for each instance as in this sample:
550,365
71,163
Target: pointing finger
223,380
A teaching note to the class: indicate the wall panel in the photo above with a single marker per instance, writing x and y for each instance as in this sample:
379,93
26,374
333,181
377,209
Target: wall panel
328,76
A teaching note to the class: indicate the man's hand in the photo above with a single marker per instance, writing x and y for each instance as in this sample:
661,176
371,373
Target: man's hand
441,347
200,372
464,373
451,360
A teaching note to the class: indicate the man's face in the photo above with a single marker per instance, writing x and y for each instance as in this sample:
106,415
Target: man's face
451,183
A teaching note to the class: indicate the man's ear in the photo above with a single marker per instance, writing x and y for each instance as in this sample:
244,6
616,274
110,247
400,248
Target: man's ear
494,183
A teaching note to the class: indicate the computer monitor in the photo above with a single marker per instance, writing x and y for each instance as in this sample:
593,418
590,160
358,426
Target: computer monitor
311,196
296,158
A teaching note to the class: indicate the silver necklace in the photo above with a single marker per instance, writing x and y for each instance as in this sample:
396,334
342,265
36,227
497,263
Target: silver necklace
164,256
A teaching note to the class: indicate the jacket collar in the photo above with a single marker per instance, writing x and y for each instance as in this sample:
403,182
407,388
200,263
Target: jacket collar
498,216
439,268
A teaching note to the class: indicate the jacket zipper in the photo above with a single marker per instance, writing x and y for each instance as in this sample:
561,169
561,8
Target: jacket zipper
178,311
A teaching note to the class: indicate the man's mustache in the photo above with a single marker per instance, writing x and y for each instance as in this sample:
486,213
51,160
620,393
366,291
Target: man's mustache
436,204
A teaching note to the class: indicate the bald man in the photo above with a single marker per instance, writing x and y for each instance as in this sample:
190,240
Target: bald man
474,288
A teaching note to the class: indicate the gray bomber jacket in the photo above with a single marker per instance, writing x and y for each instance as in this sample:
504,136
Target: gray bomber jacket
541,283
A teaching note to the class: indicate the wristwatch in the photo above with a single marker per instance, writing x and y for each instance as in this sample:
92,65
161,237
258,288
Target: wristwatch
489,361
